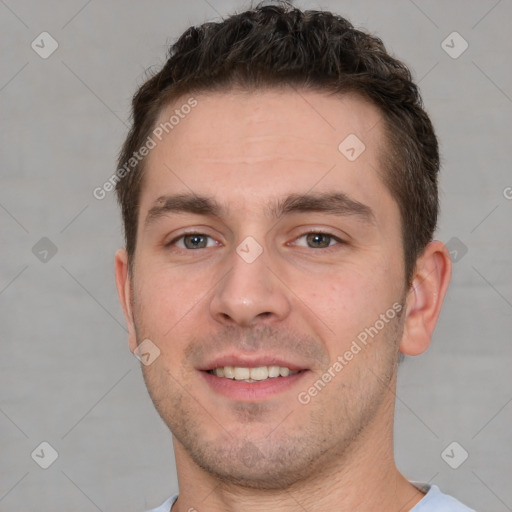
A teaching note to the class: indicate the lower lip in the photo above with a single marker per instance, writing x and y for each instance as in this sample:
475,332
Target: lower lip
240,390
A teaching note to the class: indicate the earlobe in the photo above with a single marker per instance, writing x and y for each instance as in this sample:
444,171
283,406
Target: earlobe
425,298
124,291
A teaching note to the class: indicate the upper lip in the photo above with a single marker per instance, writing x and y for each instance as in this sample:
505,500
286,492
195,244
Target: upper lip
251,361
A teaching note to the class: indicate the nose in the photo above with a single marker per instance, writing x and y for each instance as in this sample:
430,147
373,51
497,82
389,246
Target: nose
250,293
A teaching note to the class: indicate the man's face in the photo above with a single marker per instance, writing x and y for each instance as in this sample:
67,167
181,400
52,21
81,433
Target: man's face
296,253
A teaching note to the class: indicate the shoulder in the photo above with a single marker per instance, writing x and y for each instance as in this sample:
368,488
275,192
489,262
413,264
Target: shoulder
436,501
166,505
433,501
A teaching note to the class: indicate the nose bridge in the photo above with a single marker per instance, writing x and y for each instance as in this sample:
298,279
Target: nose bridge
249,292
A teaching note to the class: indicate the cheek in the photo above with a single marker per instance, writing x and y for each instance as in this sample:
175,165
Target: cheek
351,300
165,297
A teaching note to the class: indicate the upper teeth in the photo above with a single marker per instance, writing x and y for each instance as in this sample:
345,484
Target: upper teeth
258,373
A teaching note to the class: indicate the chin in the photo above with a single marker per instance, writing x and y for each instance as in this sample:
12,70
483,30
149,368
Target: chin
248,468
262,464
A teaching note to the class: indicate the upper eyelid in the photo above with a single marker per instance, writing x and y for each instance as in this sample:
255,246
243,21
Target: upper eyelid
319,232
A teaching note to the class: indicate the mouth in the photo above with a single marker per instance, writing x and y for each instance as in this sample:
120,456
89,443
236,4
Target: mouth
251,381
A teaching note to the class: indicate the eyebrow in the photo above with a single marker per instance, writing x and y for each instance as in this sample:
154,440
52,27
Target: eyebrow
183,203
337,203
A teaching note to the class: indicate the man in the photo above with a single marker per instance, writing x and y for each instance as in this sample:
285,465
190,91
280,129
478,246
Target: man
279,196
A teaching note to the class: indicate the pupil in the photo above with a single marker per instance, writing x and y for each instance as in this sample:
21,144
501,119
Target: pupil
195,241
319,240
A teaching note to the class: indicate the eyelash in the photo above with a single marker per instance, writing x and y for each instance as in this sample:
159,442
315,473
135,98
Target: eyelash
320,232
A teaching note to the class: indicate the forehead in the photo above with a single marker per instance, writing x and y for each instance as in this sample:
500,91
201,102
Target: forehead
246,146
243,119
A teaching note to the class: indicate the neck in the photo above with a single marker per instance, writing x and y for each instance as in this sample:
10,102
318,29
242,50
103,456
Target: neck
364,478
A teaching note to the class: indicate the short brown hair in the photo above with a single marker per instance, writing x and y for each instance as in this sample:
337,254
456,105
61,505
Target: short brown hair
280,45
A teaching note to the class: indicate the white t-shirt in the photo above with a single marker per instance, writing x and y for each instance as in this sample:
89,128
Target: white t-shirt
433,501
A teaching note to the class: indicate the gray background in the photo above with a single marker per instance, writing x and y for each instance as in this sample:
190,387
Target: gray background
67,376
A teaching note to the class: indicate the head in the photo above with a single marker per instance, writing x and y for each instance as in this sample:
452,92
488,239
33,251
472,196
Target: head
285,215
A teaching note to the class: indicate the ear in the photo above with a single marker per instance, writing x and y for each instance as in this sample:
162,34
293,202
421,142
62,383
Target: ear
124,290
425,298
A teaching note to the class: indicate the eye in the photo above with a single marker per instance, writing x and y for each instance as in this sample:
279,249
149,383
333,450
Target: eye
193,241
318,240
